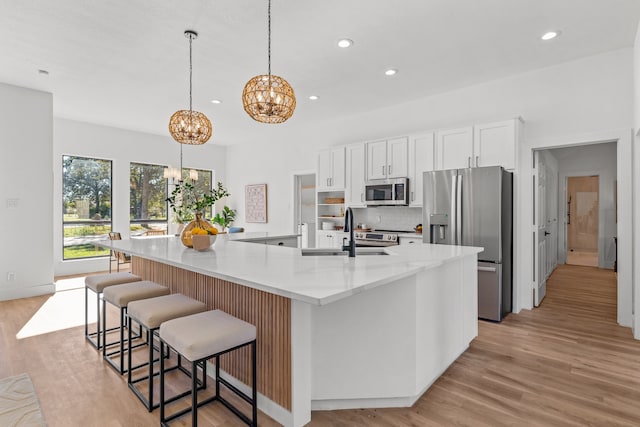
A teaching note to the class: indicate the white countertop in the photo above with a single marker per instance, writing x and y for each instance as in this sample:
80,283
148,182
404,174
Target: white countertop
284,271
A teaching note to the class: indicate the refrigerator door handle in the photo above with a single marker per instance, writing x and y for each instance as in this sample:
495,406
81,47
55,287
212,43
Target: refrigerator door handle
489,269
459,210
454,211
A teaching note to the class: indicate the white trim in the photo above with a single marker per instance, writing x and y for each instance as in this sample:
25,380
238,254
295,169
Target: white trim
26,291
523,287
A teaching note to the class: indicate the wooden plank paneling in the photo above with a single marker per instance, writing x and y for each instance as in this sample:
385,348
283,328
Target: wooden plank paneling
271,314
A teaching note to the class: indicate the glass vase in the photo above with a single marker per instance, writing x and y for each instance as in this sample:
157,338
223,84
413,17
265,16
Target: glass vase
199,222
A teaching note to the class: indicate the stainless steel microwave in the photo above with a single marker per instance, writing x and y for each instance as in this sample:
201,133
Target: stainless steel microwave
387,192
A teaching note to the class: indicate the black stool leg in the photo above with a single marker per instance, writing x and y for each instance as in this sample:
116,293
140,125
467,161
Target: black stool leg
161,383
86,312
150,341
98,325
217,375
194,394
254,384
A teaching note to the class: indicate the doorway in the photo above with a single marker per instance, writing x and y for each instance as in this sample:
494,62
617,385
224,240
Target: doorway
582,220
304,195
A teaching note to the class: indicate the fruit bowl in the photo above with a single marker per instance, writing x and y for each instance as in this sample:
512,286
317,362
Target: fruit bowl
202,242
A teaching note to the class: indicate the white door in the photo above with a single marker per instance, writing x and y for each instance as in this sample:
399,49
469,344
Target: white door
354,194
454,148
494,144
324,169
421,159
397,159
539,230
377,160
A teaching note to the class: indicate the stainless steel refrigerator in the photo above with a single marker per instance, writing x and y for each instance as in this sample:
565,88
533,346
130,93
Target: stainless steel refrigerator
474,207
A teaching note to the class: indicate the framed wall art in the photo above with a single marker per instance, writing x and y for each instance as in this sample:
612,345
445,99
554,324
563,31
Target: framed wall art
255,199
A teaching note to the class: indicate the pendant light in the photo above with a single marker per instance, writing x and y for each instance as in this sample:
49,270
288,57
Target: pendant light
188,126
268,98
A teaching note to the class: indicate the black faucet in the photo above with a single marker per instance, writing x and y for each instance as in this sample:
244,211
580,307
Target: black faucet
348,226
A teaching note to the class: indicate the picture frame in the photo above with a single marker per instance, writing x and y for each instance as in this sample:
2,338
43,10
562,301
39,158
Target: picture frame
255,199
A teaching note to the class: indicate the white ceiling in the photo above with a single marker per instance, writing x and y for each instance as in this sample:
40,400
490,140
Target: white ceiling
125,63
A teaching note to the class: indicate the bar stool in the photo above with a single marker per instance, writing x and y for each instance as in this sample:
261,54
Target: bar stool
120,296
149,314
200,337
97,284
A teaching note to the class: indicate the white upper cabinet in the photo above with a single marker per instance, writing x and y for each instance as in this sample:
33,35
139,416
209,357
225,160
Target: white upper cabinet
387,159
454,148
421,159
495,144
354,194
491,144
331,173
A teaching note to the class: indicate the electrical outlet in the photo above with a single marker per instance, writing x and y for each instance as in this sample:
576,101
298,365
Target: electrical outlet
11,276
379,219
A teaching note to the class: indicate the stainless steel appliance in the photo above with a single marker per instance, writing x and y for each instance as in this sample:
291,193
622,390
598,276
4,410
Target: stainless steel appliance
375,238
387,192
474,207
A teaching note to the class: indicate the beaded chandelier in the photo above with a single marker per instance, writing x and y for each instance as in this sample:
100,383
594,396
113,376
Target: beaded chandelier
268,98
188,126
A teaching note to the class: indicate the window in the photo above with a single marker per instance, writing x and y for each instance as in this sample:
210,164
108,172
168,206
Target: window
203,184
147,200
86,205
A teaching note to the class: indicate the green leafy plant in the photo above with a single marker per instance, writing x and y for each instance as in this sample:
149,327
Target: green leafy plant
225,218
185,200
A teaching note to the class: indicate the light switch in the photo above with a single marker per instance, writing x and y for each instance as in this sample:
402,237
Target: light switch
12,203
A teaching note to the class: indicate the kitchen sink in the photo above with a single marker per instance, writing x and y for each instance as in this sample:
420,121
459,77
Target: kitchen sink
338,252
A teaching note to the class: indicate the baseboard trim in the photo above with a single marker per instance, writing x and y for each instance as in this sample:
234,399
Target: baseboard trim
26,291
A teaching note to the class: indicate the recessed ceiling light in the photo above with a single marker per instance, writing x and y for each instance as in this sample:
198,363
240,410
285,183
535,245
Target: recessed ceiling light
345,43
313,97
391,72
550,35
43,72
216,101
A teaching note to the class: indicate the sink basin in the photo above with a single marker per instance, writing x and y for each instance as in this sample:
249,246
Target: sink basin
338,252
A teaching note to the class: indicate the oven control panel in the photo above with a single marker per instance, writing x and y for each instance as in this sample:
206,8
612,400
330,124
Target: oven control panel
378,237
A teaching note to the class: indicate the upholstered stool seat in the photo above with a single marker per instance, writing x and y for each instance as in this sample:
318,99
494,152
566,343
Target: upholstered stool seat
150,313
203,336
97,284
120,296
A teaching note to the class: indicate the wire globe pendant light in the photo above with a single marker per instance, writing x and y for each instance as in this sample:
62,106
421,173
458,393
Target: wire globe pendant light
268,98
188,126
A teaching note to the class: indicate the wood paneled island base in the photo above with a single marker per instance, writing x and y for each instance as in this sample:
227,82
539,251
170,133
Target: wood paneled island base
271,314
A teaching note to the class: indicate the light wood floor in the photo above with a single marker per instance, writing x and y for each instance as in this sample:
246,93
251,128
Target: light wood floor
584,258
566,363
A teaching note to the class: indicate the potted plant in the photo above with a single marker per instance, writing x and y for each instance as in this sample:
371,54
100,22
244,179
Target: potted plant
187,202
225,218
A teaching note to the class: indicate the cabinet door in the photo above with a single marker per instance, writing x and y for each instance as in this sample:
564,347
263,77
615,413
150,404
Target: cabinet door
409,240
324,239
421,159
494,144
377,160
354,195
454,148
397,159
324,169
338,172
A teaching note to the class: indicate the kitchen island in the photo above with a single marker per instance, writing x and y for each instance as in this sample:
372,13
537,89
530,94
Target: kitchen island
333,332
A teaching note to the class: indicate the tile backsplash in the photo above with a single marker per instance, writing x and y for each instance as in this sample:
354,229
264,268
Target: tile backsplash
389,217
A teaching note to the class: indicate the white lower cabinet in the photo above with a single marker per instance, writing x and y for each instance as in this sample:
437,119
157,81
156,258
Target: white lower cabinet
329,239
403,240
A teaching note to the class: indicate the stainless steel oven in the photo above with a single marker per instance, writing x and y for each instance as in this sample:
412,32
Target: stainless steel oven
375,239
387,192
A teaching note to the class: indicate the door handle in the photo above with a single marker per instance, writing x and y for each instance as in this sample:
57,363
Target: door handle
362,197
382,169
489,269
546,233
477,160
469,161
412,199
389,169
327,182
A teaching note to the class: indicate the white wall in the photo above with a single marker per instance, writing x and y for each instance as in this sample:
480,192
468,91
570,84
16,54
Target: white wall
636,181
25,176
586,160
122,147
588,96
